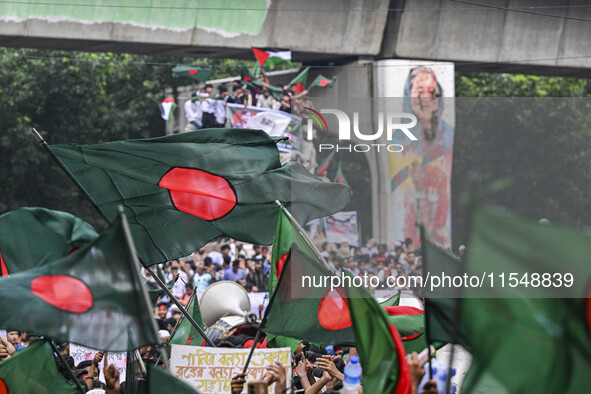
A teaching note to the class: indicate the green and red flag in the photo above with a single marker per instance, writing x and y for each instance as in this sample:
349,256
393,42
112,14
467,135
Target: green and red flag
380,348
198,73
161,381
300,81
285,235
340,177
410,323
270,56
184,333
323,82
93,298
30,237
323,167
33,370
307,310
245,74
167,107
182,190
546,339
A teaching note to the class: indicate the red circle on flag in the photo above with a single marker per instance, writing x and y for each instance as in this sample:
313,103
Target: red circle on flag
199,193
64,292
333,310
324,82
193,72
280,264
3,387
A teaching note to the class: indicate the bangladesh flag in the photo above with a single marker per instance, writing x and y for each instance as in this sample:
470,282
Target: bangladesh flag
167,107
33,370
323,167
275,91
440,305
300,80
323,82
161,381
270,56
285,235
182,190
340,177
93,298
545,339
184,333
410,323
31,237
197,73
380,348
245,74
503,244
305,310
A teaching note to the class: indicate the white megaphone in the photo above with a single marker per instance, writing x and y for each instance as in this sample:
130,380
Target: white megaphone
225,309
224,298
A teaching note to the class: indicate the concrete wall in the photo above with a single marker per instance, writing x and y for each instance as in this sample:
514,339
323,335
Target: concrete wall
312,29
490,39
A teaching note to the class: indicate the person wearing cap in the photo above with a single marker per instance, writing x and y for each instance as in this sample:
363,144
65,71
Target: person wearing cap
193,113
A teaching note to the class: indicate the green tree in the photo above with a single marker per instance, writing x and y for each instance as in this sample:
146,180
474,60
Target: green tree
532,129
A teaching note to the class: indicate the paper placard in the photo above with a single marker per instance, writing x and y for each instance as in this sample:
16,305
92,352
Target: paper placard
119,359
210,370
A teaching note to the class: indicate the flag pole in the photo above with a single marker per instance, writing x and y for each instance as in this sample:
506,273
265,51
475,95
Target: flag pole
427,333
63,360
161,284
303,234
134,266
258,334
182,308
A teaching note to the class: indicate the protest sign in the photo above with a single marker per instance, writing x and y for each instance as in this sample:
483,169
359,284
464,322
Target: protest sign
210,370
119,359
274,123
342,227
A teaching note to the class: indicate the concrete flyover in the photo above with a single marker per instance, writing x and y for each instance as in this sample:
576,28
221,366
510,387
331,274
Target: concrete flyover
533,36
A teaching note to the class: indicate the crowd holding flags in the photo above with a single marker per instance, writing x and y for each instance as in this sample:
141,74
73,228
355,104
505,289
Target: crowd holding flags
169,196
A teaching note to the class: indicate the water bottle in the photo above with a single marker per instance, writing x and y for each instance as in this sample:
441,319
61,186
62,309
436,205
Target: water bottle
352,380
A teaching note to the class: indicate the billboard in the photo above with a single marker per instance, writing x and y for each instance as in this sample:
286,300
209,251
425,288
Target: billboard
420,175
274,123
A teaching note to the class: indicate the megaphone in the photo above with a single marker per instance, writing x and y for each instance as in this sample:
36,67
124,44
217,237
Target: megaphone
221,299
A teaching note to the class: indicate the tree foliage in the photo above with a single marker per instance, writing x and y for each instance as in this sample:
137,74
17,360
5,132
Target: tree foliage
78,98
534,130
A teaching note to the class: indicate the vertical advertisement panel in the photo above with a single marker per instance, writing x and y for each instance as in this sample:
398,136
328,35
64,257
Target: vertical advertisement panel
420,175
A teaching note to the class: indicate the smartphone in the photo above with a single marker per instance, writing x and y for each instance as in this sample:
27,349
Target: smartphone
3,334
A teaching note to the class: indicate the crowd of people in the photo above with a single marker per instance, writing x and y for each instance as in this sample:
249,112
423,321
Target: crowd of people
314,369
205,110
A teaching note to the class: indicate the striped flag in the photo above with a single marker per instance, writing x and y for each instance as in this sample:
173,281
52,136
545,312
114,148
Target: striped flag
269,56
167,107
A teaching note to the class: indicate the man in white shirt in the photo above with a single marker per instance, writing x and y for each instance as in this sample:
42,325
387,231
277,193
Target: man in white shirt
220,107
208,107
193,113
265,100
179,286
